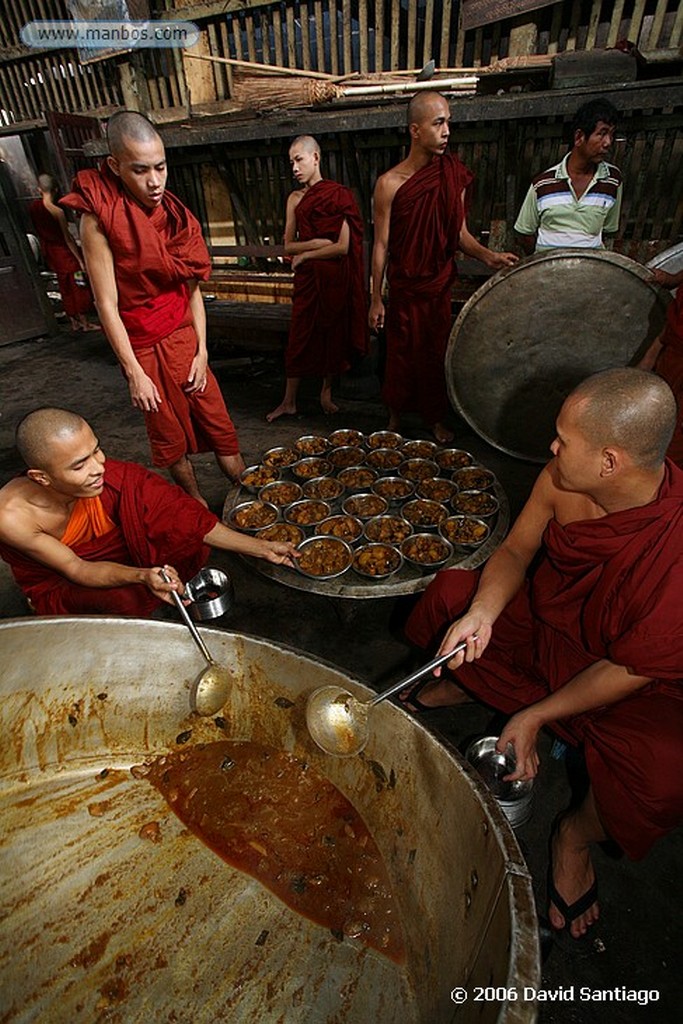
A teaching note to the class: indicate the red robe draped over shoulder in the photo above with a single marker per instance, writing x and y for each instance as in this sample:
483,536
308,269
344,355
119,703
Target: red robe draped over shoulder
606,588
670,366
154,523
427,214
77,299
329,305
155,253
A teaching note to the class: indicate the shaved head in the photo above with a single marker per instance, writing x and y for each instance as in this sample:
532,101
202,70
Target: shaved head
632,409
129,126
423,105
306,142
37,432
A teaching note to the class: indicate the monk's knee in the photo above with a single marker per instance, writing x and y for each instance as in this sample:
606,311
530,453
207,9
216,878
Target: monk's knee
445,599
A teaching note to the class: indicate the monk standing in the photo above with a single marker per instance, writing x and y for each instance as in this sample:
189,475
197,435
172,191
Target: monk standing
420,223
146,256
590,642
665,356
324,235
61,254
87,535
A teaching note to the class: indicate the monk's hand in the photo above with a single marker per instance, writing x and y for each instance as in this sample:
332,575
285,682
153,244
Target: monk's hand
279,552
196,378
664,279
298,260
144,392
376,315
475,630
159,587
498,260
521,731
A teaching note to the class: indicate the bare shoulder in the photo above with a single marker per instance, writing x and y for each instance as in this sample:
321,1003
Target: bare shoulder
388,184
294,198
18,515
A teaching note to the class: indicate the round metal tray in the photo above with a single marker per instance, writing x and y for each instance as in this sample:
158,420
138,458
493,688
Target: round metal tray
527,337
408,580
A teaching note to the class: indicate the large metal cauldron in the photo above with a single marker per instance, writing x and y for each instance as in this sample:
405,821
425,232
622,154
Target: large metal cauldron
100,924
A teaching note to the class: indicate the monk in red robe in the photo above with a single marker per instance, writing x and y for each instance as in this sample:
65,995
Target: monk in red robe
87,535
61,254
665,356
590,642
420,223
146,256
324,235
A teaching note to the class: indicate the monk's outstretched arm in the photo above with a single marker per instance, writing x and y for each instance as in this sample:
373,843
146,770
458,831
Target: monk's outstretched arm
601,684
222,537
503,575
19,531
99,261
471,247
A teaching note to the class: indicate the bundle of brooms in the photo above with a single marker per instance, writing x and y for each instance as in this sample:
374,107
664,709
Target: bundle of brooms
267,87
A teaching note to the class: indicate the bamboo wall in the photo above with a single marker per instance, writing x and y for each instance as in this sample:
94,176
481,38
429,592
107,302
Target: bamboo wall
335,36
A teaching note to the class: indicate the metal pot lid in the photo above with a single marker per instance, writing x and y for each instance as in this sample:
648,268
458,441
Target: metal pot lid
670,260
526,338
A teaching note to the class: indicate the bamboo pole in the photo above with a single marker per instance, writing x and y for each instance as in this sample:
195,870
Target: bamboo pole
275,69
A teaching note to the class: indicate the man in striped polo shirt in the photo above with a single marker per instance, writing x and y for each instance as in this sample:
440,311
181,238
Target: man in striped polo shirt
572,204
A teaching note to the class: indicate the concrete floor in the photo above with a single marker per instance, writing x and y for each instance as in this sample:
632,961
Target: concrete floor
637,943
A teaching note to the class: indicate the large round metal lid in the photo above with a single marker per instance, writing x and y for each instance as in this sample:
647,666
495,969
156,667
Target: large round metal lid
527,337
670,260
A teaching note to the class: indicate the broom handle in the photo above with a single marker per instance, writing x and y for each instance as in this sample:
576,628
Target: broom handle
276,68
376,90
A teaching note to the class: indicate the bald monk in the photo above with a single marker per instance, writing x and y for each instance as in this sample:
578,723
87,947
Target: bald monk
665,355
61,254
85,535
420,223
590,642
146,256
324,235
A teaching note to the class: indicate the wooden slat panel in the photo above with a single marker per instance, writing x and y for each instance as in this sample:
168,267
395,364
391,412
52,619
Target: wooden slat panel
220,85
593,22
656,27
411,42
363,31
225,52
319,43
251,36
615,23
428,36
291,37
334,38
305,35
395,25
277,31
346,31
446,35
636,21
677,31
379,35
236,24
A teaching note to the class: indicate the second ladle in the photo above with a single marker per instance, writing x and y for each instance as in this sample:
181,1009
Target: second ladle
338,721
211,687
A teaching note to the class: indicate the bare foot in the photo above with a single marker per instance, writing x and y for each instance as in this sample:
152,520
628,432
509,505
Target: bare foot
573,875
328,406
283,409
394,424
442,434
90,327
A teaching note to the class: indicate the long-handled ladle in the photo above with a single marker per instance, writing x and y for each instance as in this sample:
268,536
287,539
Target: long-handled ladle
211,687
338,721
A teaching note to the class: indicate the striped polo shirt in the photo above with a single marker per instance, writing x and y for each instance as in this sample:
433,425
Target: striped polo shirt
563,221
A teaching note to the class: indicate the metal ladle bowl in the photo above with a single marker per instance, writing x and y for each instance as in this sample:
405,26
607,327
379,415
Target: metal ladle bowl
339,723
210,689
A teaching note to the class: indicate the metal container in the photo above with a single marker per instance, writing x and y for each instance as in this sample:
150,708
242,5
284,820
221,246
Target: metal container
236,517
331,544
384,439
254,478
211,593
527,337
99,923
514,797
386,555
417,542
